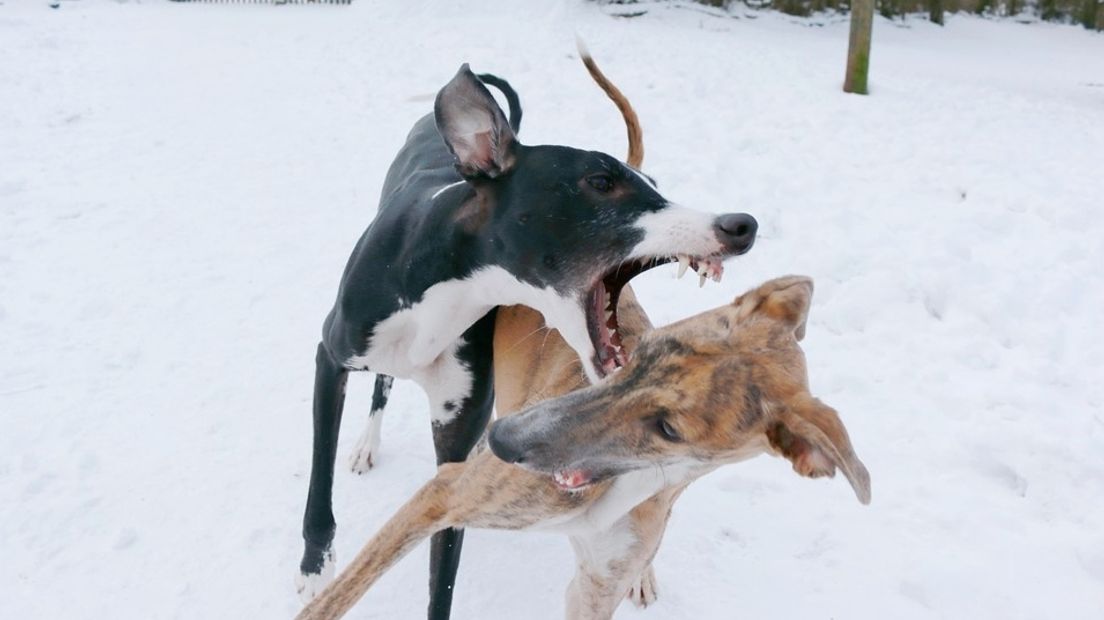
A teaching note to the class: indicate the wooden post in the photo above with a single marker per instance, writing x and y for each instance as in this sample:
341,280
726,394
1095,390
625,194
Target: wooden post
1090,15
935,11
858,49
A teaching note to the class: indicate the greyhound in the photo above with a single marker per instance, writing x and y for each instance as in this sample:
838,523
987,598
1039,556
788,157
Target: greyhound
469,220
605,463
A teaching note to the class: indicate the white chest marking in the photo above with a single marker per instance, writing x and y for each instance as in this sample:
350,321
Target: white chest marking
625,494
407,343
599,550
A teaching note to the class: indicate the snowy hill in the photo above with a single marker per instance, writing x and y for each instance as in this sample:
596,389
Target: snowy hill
180,186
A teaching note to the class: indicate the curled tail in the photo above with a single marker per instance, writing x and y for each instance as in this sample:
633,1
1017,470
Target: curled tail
417,520
511,98
632,124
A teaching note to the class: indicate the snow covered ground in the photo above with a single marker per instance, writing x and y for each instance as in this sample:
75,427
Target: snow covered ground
180,186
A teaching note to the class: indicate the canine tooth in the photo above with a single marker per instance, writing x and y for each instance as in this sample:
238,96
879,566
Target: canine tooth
684,264
701,280
609,315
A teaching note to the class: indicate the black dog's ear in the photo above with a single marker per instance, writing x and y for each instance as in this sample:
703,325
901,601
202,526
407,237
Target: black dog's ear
474,127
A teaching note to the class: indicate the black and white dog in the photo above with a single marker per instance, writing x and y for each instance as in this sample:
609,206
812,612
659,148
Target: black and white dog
470,219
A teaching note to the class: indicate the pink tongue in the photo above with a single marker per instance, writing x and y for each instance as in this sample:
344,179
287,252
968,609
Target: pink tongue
571,479
609,358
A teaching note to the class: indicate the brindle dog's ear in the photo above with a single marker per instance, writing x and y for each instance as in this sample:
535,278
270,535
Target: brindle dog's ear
784,299
811,435
474,127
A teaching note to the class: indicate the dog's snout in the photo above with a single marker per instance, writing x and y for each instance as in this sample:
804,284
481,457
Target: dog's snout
736,230
504,444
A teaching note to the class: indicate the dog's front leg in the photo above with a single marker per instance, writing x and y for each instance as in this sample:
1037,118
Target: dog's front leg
645,590
611,563
366,453
317,566
607,563
650,519
461,396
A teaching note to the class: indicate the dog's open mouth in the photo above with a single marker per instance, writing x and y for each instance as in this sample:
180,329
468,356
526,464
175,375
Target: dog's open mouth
572,479
601,304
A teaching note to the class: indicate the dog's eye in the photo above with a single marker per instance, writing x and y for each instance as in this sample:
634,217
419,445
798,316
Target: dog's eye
601,182
669,433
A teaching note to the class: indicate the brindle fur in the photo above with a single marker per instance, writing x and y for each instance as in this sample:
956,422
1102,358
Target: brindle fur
731,381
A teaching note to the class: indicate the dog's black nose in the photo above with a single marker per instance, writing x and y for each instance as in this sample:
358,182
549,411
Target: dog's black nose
500,440
736,231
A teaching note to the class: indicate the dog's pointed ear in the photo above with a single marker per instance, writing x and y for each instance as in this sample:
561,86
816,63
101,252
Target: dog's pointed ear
784,299
474,127
811,435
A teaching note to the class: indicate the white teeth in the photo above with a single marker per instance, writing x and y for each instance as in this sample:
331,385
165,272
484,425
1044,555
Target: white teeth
717,276
608,315
684,264
701,280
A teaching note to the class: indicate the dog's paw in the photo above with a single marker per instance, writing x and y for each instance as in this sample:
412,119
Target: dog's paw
309,585
645,590
365,454
361,461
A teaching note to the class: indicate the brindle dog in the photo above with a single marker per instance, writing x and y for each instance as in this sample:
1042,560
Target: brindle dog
605,463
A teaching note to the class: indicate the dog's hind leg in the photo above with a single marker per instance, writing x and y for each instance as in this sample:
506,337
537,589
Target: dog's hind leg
366,453
317,565
461,400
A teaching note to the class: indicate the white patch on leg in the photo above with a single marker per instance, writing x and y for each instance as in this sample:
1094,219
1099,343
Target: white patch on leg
310,585
644,591
366,453
447,382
